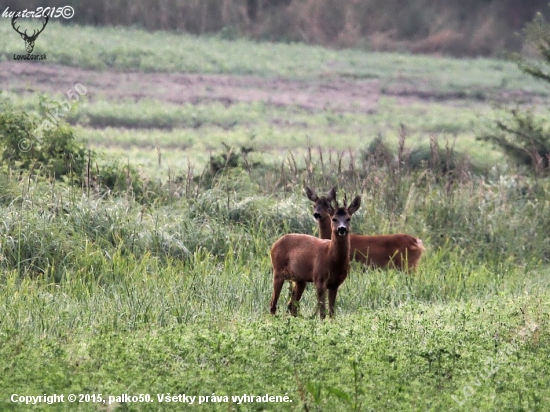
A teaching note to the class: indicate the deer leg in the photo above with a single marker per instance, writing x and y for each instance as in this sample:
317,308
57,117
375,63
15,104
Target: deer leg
291,299
278,282
297,291
331,301
321,294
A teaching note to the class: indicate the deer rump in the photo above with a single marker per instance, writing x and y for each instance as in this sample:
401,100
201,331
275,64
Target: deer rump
397,250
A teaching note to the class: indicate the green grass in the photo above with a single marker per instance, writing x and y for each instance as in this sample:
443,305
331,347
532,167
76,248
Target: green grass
456,95
183,132
107,293
202,328
103,295
137,50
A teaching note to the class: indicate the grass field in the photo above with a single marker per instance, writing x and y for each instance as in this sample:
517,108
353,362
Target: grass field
167,293
352,96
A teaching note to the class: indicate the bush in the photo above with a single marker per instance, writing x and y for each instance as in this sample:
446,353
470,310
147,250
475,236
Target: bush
55,152
522,137
230,161
441,161
116,178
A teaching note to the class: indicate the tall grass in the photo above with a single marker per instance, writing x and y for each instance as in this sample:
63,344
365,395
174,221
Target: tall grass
497,221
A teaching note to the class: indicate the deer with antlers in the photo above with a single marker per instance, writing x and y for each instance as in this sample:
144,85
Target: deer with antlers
324,262
398,250
29,40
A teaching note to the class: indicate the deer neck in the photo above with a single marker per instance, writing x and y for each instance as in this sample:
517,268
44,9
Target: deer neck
340,246
325,229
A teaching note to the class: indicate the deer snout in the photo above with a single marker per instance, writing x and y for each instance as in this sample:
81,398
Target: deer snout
342,230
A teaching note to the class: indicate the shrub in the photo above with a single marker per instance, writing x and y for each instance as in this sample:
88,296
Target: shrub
117,178
522,137
440,160
229,161
55,153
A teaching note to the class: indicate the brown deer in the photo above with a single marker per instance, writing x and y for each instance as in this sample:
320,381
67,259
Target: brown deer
400,250
303,258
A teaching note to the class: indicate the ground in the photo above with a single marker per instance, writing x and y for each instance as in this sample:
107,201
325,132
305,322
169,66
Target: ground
338,94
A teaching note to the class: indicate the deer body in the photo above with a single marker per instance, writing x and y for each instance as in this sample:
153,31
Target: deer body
401,251
324,262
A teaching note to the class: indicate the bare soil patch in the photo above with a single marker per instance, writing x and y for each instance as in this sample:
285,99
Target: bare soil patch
336,94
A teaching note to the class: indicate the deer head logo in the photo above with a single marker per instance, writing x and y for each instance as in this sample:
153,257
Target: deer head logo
29,40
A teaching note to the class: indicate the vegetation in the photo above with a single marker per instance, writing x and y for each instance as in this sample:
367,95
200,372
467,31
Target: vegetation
52,151
154,277
166,52
178,287
523,136
459,28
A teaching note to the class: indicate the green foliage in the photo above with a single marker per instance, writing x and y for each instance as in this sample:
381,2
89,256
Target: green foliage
379,152
230,161
524,138
53,150
165,52
411,357
129,285
47,226
538,36
440,160
173,298
114,177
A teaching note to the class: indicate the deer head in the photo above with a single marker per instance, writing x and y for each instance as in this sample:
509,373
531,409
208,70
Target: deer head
341,216
29,40
318,209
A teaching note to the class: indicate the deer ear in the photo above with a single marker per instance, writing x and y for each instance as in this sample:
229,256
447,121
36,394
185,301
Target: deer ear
311,195
331,195
325,204
354,205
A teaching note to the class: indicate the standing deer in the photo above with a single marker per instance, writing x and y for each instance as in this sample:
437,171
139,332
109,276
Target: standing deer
400,250
304,258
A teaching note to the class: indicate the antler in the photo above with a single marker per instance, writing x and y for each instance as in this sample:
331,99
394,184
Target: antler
43,26
35,32
335,200
17,28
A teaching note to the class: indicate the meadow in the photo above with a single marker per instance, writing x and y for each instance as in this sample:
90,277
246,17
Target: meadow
162,285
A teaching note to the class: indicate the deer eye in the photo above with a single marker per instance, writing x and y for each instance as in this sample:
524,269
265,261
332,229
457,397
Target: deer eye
348,219
334,219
